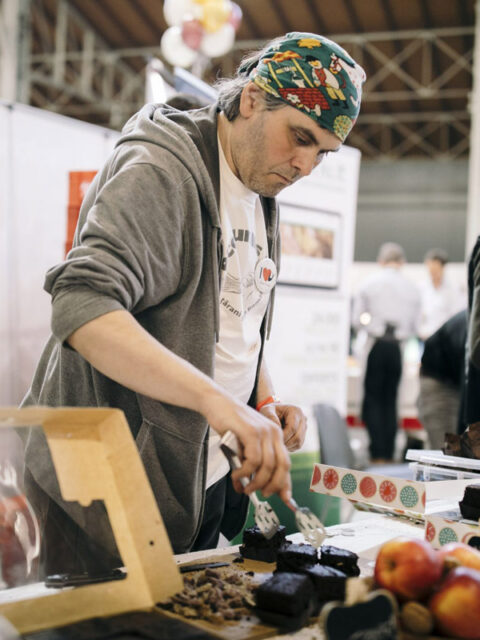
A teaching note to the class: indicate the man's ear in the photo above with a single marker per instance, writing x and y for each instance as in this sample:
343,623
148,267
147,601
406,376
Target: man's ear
251,100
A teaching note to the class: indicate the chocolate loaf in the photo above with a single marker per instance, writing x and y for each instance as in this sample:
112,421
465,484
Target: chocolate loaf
470,505
295,557
257,547
329,583
341,559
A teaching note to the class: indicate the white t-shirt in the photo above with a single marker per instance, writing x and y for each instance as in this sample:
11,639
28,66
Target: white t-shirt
439,304
248,276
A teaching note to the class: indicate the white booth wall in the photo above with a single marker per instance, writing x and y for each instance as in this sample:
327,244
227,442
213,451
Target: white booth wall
38,150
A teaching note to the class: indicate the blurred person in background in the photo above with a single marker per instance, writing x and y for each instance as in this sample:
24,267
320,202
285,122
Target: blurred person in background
387,307
441,297
442,379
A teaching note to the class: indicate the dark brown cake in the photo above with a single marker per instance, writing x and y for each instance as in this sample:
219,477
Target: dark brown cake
295,557
285,593
329,583
452,445
341,559
257,547
470,441
466,445
470,505
286,601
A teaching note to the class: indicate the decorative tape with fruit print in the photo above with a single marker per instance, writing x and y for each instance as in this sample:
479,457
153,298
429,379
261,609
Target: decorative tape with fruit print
403,496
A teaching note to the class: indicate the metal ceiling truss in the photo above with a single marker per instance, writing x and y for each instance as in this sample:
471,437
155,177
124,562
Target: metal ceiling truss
78,73
75,72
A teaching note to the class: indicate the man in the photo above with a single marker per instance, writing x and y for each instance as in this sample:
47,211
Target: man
163,305
441,299
388,307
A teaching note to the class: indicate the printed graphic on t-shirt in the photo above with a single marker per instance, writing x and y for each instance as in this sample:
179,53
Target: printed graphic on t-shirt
242,293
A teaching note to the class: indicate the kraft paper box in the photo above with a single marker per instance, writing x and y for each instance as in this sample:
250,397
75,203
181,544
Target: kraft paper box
96,458
384,494
440,529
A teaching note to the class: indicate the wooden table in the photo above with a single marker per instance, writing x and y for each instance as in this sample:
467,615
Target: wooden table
370,531
367,533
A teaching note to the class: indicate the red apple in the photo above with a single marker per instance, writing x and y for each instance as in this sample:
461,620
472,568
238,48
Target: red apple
455,606
466,555
408,567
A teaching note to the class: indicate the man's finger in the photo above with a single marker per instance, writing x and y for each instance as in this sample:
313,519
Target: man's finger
281,472
266,469
295,428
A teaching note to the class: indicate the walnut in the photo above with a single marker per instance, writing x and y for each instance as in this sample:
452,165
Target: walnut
416,618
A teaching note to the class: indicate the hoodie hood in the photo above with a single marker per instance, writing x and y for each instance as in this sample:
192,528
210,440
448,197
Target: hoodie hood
190,137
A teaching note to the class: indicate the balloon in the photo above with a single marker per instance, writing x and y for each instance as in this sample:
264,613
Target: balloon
192,33
218,43
174,50
235,16
174,11
215,14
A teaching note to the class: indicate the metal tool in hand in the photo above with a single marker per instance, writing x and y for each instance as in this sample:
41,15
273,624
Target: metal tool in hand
308,524
265,517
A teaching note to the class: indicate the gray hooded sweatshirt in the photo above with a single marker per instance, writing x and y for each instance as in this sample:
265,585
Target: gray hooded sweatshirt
148,241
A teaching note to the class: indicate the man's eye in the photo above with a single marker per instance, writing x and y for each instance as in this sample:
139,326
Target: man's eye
300,140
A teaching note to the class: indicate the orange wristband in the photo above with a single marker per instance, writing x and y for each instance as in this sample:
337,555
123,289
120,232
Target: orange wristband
269,400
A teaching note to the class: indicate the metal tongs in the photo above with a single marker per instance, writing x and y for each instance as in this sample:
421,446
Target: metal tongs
265,517
308,524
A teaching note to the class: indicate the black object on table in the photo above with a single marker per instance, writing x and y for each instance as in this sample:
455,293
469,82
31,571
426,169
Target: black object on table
128,626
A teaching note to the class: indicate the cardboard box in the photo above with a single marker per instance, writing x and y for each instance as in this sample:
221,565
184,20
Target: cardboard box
395,494
427,502
440,530
96,458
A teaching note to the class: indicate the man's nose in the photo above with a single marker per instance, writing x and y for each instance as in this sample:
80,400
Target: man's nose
305,160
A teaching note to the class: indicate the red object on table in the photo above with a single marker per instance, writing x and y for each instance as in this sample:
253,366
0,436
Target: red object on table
405,423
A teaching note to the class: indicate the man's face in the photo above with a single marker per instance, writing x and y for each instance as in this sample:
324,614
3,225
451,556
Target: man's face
272,149
435,269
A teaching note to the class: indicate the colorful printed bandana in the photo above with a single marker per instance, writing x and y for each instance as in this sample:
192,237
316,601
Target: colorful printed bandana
315,75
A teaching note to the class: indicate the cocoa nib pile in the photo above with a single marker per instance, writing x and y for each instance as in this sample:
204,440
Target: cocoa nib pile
466,445
214,595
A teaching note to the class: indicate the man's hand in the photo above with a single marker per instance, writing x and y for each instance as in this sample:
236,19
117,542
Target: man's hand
264,454
292,421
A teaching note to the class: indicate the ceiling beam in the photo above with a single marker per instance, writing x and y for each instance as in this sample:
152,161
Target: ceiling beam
280,13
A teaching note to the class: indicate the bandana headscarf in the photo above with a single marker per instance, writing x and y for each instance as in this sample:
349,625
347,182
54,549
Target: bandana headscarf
315,75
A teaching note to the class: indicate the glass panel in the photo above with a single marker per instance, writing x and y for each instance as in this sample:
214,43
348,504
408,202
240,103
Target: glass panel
45,540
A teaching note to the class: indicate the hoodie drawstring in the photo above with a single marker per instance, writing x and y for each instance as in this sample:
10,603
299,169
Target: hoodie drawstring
217,252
